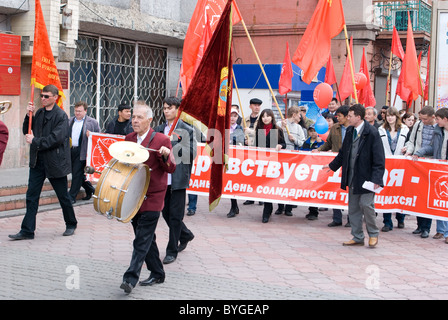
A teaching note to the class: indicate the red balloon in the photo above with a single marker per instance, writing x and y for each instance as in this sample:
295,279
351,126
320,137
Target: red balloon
360,80
322,95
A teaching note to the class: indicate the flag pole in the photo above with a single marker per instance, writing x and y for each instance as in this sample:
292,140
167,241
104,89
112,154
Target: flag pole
262,70
239,99
351,64
30,113
388,80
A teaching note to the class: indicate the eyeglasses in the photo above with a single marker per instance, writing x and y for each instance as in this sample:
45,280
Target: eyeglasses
46,96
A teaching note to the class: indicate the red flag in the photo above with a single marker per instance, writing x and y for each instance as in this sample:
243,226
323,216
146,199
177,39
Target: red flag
206,36
204,8
330,75
43,66
207,102
346,83
397,48
411,78
401,90
426,91
285,82
314,47
365,95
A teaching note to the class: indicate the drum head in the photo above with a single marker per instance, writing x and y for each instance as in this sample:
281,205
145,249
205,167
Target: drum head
132,199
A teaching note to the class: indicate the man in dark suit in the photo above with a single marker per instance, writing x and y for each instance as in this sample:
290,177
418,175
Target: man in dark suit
80,127
184,145
145,221
49,158
362,159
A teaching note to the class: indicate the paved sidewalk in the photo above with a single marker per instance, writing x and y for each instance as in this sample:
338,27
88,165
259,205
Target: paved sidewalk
289,258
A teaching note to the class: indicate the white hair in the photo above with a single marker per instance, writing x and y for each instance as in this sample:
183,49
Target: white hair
374,110
142,104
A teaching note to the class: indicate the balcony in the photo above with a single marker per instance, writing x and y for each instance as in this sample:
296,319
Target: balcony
388,14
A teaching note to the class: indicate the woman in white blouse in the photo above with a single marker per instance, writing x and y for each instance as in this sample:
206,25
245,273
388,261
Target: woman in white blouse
393,135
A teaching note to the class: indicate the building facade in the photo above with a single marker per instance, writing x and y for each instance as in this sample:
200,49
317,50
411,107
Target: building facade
117,51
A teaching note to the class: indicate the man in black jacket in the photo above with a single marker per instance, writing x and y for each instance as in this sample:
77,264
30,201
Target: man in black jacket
362,160
184,145
49,158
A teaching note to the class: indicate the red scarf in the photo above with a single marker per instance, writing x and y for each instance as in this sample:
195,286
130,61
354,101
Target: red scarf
267,128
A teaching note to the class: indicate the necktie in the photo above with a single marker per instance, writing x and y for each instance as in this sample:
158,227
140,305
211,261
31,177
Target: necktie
355,134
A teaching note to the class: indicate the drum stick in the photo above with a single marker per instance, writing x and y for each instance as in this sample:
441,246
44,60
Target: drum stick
149,149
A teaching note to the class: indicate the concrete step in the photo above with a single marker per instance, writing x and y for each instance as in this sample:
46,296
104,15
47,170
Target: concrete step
13,200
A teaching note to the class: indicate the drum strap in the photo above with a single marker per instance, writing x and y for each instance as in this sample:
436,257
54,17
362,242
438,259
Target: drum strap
150,138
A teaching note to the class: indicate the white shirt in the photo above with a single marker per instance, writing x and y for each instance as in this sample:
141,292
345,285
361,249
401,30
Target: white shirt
76,131
142,137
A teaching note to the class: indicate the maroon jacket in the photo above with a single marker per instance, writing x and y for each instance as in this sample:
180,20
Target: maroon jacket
3,139
160,168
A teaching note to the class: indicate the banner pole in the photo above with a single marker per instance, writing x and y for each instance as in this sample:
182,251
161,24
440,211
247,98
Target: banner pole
30,114
262,70
351,64
388,80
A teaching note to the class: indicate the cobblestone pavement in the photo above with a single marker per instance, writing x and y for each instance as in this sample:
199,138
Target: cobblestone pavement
289,258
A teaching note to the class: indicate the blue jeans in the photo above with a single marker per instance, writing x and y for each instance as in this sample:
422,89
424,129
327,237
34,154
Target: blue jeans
387,219
442,227
192,202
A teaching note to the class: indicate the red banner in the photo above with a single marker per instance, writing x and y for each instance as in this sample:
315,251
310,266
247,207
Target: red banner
98,152
296,177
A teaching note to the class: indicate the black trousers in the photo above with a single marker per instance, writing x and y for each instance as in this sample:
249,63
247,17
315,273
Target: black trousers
145,247
36,181
78,176
173,212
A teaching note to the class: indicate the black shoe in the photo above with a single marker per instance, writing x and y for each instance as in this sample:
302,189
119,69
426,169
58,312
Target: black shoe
69,232
417,231
169,259
265,220
400,225
288,213
88,195
248,202
278,211
386,229
190,212
311,216
233,212
127,287
21,236
151,281
183,245
335,224
425,234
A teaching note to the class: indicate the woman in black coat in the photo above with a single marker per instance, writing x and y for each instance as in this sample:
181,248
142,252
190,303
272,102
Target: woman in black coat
268,135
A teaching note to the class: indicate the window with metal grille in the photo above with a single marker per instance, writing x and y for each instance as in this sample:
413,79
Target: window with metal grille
106,73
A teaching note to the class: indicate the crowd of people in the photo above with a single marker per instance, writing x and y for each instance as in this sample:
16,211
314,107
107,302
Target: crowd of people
360,137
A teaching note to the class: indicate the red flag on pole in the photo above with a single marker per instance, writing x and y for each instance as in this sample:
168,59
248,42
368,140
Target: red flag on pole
43,66
196,28
411,78
365,95
208,100
285,82
426,91
314,47
330,75
346,84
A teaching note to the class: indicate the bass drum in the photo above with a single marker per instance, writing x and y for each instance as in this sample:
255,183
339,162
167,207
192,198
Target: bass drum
121,190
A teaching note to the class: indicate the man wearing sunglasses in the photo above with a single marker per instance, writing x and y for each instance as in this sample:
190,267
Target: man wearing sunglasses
49,158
